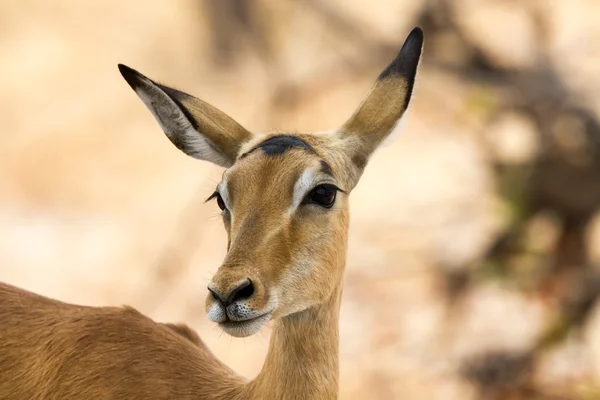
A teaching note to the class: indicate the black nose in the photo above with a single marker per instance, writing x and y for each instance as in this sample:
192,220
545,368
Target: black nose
240,292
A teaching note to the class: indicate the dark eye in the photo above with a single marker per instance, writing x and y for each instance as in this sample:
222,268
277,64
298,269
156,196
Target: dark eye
220,202
323,195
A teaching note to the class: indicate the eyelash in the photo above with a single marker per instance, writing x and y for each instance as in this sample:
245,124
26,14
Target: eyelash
220,202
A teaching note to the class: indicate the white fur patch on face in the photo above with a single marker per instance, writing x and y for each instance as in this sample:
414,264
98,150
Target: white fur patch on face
224,192
309,179
217,313
245,328
301,188
176,125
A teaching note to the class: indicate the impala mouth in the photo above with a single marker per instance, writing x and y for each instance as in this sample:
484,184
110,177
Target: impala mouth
246,327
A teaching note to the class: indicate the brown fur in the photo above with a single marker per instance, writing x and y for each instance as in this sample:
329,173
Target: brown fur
294,257
53,350
185,331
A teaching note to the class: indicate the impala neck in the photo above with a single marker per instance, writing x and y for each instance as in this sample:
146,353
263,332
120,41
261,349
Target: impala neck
302,361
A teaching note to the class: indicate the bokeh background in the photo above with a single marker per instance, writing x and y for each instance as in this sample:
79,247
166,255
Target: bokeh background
473,267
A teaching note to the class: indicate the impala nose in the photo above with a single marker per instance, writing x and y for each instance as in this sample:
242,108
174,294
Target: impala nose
242,291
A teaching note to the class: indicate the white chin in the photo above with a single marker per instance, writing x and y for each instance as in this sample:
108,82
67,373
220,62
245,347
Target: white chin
245,328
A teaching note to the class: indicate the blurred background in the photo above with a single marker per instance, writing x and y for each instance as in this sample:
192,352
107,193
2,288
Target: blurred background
474,257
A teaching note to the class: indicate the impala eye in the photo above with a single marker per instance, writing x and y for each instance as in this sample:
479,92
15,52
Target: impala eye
322,195
220,202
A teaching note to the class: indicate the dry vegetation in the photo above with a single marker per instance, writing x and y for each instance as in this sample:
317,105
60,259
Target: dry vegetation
475,238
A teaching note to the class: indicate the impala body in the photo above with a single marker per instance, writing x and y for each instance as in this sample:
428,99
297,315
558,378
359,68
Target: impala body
284,202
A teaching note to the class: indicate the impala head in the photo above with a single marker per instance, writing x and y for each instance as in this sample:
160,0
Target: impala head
284,197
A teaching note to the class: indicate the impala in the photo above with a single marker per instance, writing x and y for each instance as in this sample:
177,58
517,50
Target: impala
284,202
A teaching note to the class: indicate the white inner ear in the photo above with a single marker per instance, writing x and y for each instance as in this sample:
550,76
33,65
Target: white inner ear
176,125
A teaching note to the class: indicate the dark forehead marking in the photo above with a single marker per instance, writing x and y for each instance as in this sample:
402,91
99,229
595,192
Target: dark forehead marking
325,168
279,144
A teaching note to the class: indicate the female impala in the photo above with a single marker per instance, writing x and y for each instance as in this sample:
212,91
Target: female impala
284,200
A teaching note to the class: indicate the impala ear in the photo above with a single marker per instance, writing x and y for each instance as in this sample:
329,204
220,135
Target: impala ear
385,104
194,126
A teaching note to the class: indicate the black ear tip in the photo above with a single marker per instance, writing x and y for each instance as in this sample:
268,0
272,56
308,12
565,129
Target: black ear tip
416,34
131,75
414,40
407,60
125,70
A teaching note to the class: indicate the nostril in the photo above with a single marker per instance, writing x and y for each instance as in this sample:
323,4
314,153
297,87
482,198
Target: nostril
216,295
242,291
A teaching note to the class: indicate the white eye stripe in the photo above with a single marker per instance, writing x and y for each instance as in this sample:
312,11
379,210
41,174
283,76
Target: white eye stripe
224,193
301,188
304,185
